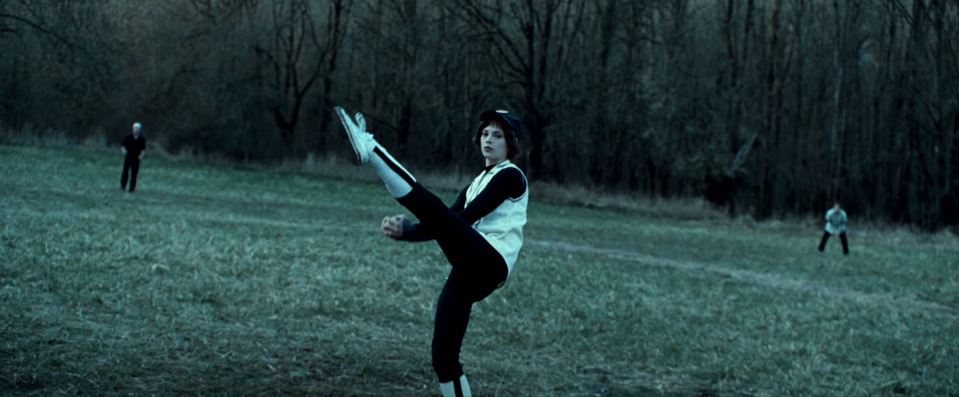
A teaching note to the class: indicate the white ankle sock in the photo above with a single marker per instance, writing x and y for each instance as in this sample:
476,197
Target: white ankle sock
449,388
390,171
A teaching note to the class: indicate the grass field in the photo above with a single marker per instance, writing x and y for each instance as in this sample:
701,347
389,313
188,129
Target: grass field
220,281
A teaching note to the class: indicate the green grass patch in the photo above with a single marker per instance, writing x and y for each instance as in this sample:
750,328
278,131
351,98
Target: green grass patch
215,280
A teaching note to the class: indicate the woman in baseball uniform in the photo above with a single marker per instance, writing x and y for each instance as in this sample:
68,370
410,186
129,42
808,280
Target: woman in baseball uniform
480,234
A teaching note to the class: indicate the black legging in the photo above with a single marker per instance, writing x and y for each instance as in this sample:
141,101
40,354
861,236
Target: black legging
131,165
842,236
478,269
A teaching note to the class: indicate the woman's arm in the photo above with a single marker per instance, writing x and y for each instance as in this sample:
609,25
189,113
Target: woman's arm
506,184
414,232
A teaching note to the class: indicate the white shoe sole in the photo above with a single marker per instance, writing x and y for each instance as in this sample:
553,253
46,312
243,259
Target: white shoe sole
353,131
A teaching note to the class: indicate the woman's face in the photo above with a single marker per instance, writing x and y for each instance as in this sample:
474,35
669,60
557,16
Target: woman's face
493,143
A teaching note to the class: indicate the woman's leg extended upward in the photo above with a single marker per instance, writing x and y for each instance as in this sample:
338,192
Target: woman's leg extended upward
478,269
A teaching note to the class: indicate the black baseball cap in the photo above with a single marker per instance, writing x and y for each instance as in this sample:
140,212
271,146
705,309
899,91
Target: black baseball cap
503,117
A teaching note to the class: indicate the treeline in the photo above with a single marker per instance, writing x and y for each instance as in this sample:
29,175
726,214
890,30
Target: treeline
765,107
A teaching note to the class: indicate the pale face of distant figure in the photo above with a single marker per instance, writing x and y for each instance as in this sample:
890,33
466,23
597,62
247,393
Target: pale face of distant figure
493,143
136,129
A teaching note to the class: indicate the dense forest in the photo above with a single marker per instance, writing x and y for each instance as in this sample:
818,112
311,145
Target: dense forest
765,107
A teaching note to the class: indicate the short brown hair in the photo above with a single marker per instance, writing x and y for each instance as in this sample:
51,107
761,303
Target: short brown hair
513,150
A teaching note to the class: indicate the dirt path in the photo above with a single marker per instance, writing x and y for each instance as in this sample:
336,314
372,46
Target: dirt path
765,279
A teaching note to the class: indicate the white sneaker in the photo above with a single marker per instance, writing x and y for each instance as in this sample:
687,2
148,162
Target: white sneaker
362,141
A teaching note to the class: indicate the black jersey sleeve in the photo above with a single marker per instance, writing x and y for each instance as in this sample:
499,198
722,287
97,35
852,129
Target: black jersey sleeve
415,232
506,184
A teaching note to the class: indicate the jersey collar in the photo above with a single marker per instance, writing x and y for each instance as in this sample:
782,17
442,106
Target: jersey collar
489,168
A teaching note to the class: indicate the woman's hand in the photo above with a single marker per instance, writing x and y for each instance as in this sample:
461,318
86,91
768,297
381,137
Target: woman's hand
392,226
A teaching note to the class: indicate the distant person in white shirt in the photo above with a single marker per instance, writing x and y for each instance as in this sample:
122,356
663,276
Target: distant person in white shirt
835,224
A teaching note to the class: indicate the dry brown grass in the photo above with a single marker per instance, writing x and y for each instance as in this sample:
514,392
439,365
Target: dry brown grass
222,281
579,196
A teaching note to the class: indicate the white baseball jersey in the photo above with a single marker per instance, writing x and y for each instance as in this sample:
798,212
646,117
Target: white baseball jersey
835,221
503,227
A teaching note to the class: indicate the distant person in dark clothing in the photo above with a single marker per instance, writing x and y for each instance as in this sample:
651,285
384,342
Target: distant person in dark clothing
835,224
134,145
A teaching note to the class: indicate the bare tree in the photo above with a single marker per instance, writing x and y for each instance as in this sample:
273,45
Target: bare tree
298,54
769,108
529,45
